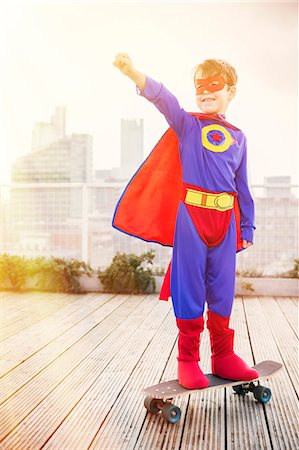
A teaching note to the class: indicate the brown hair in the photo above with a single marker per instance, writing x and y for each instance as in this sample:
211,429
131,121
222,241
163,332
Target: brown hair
212,67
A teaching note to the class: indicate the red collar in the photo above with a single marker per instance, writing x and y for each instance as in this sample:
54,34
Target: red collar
216,117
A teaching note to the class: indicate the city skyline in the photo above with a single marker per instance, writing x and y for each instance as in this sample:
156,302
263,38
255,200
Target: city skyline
57,204
53,153
48,136
62,60
41,129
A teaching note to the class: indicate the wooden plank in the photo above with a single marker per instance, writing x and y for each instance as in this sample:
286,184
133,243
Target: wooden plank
64,300
38,308
117,428
282,410
17,301
86,395
246,422
26,399
284,337
67,384
290,310
40,360
21,346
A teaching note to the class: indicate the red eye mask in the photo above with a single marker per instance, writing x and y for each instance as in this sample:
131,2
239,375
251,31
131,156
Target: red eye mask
211,84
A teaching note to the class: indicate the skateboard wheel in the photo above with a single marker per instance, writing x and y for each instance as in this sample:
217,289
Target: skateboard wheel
239,389
171,413
262,394
151,404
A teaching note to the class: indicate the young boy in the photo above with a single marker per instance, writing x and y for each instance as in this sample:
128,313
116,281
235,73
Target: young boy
215,210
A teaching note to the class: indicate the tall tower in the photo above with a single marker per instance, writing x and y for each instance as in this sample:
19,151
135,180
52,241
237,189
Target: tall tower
131,144
45,133
58,121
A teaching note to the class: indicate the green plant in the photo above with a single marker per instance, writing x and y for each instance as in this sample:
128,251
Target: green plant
54,274
126,274
251,272
14,270
60,274
292,273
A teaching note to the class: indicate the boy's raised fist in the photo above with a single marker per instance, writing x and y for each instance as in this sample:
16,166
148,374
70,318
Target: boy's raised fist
124,63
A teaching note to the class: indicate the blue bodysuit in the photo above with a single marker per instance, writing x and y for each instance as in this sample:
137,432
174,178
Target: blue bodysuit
214,160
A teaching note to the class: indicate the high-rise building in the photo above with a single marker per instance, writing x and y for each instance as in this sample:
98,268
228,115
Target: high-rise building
276,235
131,152
131,143
69,159
45,133
49,215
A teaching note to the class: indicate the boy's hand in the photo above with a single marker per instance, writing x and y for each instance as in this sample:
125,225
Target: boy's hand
246,243
124,63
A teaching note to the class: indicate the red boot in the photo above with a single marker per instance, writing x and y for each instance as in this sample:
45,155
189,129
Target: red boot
225,363
189,373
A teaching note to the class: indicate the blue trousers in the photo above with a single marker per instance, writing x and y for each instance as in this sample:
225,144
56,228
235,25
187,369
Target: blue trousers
200,273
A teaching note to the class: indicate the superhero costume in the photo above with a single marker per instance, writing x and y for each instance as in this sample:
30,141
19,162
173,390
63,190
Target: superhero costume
196,199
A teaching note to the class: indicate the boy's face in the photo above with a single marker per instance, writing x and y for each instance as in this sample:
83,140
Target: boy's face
213,95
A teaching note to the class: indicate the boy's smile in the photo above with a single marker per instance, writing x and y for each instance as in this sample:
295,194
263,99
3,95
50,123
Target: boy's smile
213,94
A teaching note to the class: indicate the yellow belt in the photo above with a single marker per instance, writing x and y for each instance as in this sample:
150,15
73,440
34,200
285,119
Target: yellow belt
221,202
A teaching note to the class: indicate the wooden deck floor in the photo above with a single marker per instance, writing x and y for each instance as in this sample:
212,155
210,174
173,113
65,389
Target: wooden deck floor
73,367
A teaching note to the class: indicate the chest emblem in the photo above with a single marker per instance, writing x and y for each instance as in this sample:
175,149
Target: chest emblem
216,138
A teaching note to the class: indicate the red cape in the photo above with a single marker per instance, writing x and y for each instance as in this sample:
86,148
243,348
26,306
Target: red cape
147,208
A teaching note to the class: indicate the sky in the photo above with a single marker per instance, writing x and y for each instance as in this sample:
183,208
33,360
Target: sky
62,52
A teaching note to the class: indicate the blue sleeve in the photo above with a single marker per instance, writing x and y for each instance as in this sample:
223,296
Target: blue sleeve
177,118
245,199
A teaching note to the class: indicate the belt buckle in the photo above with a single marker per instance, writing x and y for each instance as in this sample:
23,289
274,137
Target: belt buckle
223,201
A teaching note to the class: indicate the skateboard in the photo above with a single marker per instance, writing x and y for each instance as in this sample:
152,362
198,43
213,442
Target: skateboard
159,397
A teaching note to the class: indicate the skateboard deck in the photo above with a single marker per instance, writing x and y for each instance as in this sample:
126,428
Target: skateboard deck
160,395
